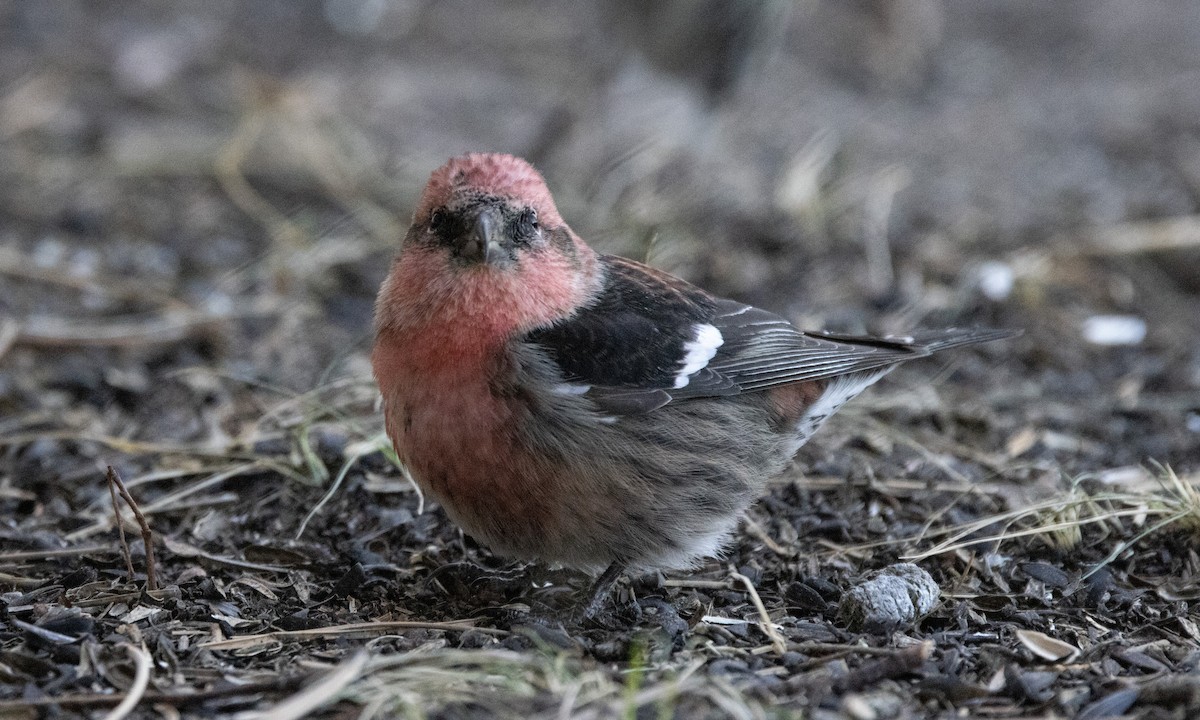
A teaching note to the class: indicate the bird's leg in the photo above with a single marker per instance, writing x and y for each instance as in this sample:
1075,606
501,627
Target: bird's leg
601,589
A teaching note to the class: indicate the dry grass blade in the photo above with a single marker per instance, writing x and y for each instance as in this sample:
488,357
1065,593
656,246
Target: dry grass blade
962,534
229,174
1183,497
1186,494
818,482
1175,502
414,683
502,683
334,168
141,680
183,549
758,531
171,474
354,454
1146,236
326,399
318,695
103,522
768,627
170,500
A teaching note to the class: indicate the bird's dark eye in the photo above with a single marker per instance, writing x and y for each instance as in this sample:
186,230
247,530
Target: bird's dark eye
531,218
437,219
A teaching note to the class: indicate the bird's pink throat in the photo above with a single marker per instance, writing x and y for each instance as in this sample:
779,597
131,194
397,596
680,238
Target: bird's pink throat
462,316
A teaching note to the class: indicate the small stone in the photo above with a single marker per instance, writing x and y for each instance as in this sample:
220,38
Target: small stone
995,280
1114,330
889,598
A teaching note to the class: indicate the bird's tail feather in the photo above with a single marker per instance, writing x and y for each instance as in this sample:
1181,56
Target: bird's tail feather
924,342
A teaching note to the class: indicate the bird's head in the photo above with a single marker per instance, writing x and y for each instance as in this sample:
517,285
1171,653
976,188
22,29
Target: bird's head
488,211
488,245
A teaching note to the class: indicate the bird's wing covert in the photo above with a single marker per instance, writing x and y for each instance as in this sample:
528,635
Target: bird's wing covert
648,338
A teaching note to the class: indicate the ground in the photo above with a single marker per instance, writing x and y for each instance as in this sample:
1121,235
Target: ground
199,201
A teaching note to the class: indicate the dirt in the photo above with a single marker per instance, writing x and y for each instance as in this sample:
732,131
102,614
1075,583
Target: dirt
199,201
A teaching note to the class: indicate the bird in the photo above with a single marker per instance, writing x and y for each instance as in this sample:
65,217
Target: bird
571,407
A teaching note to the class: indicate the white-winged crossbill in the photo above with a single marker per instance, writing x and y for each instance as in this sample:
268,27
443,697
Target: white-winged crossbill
585,409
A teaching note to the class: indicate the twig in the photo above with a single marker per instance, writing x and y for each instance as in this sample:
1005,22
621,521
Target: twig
175,699
15,263
891,663
147,537
698,584
1174,233
141,680
840,648
247,641
9,330
901,662
765,622
112,492
47,636
21,582
45,554
317,695
171,328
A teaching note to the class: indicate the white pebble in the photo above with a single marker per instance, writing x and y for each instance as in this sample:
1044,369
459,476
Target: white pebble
895,596
995,280
1109,330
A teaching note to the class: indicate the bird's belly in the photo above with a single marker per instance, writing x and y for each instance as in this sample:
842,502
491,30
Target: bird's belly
463,449
654,490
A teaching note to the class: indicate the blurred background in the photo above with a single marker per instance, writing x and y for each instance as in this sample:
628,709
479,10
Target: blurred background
201,198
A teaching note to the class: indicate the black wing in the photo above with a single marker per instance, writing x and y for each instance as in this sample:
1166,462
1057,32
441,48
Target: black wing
637,334
649,338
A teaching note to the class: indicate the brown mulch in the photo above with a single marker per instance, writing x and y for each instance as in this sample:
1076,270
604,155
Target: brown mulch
198,206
